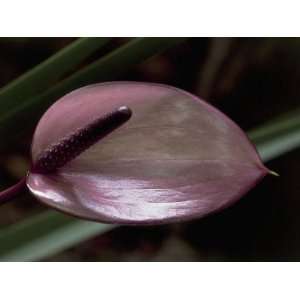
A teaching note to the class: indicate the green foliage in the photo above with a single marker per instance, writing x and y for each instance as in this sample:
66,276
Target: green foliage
278,136
45,74
44,235
24,116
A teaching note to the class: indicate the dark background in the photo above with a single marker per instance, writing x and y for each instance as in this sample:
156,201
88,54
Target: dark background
251,80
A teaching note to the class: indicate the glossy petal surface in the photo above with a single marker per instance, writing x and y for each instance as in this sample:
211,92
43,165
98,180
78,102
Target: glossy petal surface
177,158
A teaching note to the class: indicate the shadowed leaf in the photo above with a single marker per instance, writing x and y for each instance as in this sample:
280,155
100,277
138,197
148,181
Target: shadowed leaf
45,74
44,235
24,117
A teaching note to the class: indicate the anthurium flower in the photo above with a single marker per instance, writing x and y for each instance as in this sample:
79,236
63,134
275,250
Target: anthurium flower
176,158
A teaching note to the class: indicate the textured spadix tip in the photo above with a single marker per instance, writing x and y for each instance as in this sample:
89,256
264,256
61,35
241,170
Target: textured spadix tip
125,111
69,147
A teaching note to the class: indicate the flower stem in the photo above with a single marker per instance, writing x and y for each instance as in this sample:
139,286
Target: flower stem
12,191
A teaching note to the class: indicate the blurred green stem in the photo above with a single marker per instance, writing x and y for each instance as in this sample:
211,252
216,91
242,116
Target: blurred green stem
277,136
45,74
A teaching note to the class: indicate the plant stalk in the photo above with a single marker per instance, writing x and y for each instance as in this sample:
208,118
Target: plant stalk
12,191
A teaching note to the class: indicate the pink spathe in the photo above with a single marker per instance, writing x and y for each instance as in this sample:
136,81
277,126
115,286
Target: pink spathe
176,159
